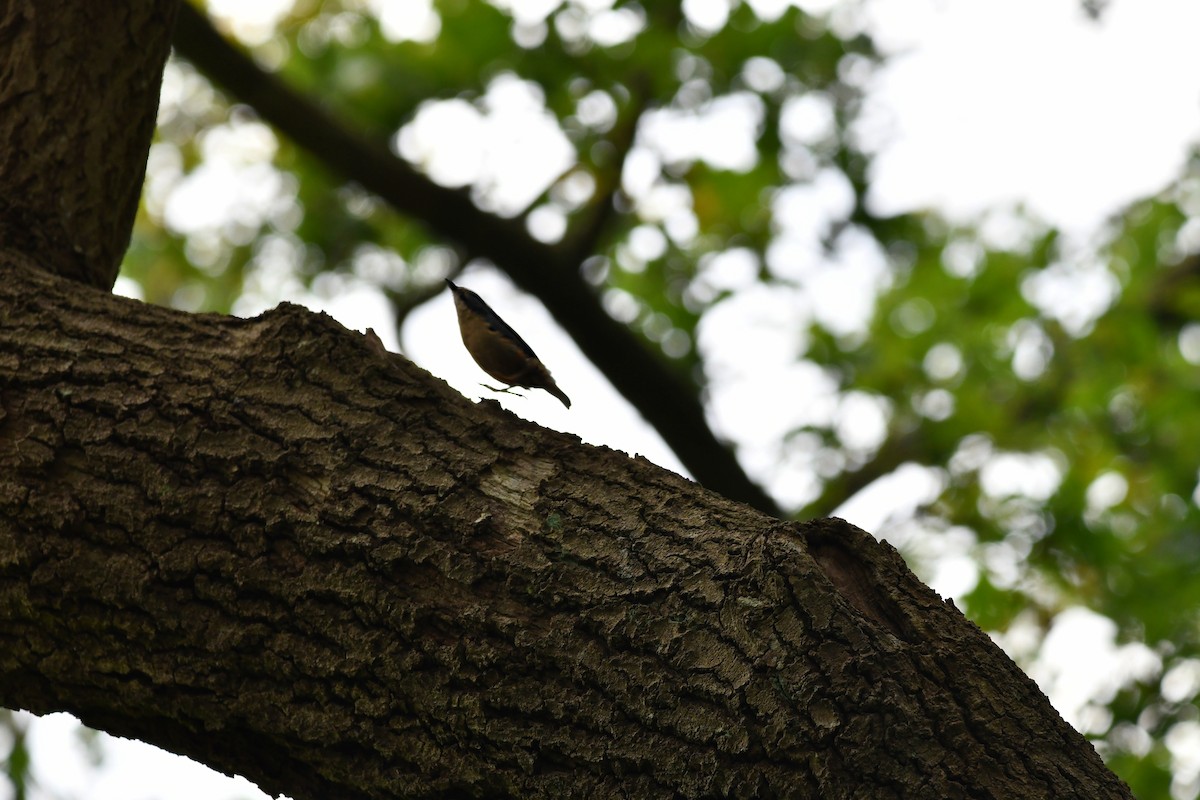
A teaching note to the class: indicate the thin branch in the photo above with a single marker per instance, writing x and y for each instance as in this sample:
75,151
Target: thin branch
594,220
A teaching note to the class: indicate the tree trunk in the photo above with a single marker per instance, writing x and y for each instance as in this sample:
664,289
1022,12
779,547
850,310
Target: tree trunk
79,87
272,546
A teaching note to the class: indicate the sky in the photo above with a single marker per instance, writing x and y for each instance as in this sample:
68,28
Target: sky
986,104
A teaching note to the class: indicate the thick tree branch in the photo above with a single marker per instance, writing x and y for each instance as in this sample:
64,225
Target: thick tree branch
275,547
79,87
552,275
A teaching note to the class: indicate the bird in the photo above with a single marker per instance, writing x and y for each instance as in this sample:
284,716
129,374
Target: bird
497,348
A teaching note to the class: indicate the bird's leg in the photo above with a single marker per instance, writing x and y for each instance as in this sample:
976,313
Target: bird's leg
508,390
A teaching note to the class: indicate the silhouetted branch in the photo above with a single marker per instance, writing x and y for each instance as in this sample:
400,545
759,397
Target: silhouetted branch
664,398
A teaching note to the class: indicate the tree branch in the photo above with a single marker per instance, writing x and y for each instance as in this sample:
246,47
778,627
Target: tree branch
592,223
273,546
667,402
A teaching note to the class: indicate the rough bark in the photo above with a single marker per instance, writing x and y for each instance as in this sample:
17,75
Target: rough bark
273,546
79,85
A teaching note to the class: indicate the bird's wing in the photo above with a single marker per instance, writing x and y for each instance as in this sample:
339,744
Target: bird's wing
476,304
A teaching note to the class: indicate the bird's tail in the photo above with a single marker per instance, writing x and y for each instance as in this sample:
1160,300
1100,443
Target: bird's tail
553,389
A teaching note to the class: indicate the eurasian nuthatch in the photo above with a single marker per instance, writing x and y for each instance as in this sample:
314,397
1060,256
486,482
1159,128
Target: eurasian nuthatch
497,348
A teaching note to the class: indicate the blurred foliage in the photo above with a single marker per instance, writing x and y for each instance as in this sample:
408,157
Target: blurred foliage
14,755
1063,437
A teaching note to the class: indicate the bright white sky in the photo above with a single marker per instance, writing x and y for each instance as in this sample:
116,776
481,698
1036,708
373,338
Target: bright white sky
993,103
